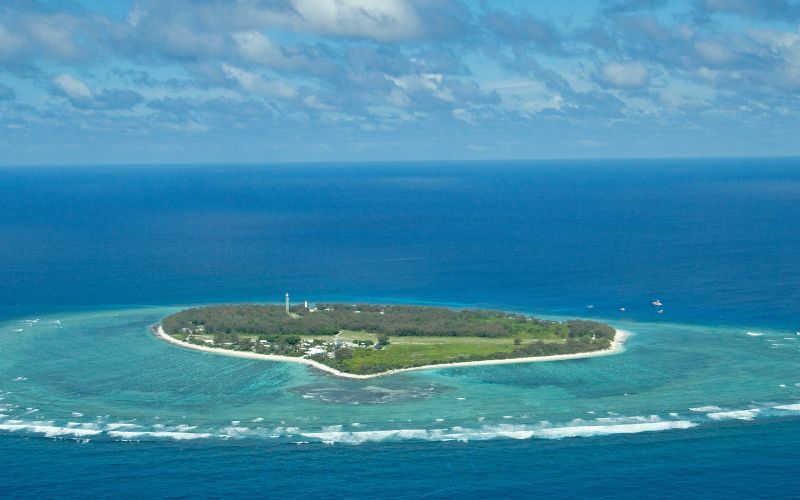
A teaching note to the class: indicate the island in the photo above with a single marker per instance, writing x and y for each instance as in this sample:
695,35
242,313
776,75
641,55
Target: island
368,340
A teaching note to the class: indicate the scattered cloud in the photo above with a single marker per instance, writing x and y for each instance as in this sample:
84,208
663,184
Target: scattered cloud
782,10
253,82
384,20
73,88
621,6
524,28
624,75
348,71
81,96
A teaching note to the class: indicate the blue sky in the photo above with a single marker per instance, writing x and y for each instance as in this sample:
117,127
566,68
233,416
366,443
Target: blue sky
184,81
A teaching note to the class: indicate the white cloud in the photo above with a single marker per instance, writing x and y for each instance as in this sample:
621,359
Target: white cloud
10,44
135,16
385,20
624,75
257,48
532,107
73,88
465,116
258,84
426,82
775,39
55,35
713,53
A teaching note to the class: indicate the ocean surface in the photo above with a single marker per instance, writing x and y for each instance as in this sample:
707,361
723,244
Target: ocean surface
703,403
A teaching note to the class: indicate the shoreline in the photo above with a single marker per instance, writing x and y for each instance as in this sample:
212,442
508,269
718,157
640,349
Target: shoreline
617,346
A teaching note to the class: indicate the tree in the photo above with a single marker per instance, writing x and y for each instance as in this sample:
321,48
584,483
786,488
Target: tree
383,339
343,353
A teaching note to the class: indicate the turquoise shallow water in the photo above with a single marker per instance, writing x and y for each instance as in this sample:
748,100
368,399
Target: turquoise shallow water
102,375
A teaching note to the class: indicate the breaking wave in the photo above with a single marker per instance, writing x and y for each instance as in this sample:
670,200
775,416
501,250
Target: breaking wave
48,429
126,431
141,435
357,433
504,431
794,407
734,414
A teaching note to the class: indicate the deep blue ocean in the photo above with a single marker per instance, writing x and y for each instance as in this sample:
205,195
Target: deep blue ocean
703,403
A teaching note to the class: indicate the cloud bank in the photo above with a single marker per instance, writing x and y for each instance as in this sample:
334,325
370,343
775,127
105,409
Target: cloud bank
295,80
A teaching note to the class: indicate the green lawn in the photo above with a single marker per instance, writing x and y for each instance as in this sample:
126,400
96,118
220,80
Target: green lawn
407,352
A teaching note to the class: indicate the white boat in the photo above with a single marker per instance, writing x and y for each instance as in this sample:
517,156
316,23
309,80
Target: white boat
657,303
755,334
622,309
660,311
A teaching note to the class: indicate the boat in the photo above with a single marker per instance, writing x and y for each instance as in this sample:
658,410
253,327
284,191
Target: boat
657,303
660,311
622,309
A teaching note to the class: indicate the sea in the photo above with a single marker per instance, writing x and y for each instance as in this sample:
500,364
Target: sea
704,402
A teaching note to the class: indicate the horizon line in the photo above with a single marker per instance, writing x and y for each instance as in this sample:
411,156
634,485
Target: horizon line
392,162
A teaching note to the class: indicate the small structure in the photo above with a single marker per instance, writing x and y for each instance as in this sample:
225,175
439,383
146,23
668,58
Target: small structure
287,302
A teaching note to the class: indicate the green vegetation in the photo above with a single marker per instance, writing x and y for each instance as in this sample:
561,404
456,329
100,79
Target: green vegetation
369,338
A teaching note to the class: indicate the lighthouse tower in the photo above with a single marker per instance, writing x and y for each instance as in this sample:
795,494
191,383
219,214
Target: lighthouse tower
287,302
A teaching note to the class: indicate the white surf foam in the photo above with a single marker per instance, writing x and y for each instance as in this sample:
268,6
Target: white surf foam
705,409
734,414
178,436
505,431
121,425
602,430
48,429
794,407
236,432
367,436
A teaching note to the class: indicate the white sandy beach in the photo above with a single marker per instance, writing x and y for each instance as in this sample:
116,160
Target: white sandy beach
617,346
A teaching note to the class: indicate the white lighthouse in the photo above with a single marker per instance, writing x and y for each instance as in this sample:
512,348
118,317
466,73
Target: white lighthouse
287,302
